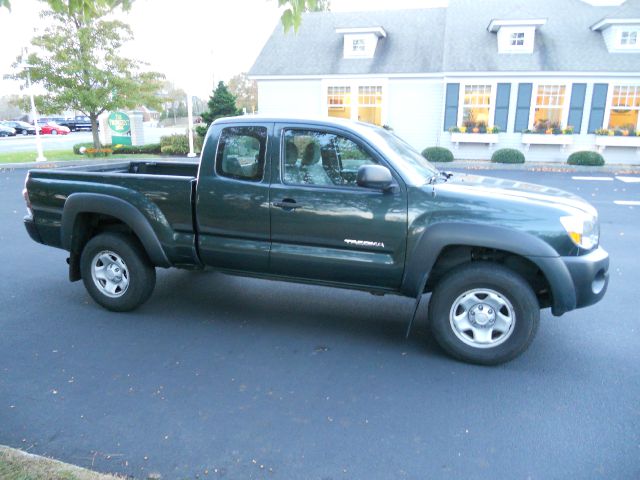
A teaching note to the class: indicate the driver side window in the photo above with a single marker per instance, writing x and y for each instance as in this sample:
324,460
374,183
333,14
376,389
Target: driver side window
321,158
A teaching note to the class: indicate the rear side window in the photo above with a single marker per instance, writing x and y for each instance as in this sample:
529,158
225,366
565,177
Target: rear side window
241,153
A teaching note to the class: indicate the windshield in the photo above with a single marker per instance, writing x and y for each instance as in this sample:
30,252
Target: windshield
413,166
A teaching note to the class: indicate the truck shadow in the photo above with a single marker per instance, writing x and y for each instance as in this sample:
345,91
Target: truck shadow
213,297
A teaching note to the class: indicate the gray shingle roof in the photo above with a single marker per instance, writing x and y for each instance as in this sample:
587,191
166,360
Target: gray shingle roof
413,44
452,39
565,43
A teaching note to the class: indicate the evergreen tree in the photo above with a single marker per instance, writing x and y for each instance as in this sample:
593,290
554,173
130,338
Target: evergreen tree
221,104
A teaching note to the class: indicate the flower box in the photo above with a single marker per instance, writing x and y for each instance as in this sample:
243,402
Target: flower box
486,138
546,139
603,141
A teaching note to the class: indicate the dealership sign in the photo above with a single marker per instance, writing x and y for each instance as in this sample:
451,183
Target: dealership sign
120,126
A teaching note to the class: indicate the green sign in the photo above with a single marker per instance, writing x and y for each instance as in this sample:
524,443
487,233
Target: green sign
120,126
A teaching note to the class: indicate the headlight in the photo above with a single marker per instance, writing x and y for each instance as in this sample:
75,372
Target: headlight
584,231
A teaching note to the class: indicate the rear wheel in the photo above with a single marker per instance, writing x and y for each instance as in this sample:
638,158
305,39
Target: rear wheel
484,313
117,272
54,132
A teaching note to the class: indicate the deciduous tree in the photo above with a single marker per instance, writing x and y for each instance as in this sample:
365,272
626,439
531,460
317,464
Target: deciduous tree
78,63
246,92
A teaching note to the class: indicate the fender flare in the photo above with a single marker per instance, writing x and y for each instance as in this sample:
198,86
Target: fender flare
124,211
435,238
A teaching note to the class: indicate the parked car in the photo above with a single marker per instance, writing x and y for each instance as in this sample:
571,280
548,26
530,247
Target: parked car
331,203
80,122
6,131
21,128
54,129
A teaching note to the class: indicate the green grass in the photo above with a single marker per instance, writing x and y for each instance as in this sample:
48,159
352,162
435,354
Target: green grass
18,465
61,155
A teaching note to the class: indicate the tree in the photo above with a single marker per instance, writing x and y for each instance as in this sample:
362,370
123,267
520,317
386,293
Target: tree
88,7
246,92
292,16
77,62
221,104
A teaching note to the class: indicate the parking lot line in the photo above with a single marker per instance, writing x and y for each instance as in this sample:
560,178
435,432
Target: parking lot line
627,202
628,179
602,179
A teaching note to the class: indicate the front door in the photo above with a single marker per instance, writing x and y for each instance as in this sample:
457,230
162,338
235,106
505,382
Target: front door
323,226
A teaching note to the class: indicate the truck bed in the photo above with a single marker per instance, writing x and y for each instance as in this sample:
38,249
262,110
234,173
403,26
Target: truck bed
162,190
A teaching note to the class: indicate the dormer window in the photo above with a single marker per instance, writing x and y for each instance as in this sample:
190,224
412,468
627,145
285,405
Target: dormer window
515,36
361,42
517,39
621,35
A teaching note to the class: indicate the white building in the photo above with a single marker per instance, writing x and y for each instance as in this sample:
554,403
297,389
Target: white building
444,76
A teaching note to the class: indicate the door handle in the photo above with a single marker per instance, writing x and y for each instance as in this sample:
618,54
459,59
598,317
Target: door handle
287,204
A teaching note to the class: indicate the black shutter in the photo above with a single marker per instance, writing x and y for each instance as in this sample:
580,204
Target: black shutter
598,105
523,107
576,106
502,106
451,105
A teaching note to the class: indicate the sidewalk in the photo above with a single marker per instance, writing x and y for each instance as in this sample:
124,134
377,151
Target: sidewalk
455,165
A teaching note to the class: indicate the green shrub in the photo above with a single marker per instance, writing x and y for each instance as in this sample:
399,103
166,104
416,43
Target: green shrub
585,157
198,143
437,154
150,148
507,155
176,144
201,130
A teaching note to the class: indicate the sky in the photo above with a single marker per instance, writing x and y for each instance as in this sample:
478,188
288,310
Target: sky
193,42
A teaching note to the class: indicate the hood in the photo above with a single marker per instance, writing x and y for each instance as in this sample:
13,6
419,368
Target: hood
500,187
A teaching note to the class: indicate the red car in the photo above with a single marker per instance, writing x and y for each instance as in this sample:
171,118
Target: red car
54,129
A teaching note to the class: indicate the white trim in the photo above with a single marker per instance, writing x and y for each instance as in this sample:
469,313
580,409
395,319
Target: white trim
441,75
354,83
568,87
496,25
492,100
379,31
607,109
607,22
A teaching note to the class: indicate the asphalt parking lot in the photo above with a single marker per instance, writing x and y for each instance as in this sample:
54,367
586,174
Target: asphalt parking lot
225,377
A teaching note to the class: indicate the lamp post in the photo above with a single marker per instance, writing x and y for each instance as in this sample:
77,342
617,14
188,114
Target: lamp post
191,153
34,112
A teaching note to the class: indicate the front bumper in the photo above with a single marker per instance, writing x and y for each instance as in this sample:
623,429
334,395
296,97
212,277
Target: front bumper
590,275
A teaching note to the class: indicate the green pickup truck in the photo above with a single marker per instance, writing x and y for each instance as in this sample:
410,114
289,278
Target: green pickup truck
333,203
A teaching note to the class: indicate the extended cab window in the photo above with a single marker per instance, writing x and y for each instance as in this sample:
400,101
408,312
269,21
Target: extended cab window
320,158
241,153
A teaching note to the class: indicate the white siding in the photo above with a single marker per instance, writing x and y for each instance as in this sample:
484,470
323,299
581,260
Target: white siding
290,97
414,110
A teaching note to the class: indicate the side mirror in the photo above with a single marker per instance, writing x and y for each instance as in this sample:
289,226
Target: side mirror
374,176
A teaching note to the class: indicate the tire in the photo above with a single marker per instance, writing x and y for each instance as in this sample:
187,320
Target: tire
483,313
117,272
54,132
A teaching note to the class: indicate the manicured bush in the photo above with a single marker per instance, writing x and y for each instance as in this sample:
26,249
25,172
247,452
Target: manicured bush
150,148
507,155
177,144
585,157
438,154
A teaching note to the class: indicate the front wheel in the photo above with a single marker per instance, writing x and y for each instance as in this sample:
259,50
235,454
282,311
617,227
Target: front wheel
117,272
484,313
54,132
